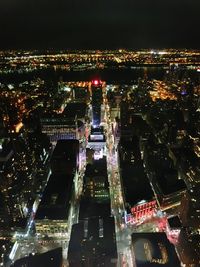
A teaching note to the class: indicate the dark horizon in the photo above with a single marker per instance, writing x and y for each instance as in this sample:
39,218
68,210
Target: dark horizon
101,25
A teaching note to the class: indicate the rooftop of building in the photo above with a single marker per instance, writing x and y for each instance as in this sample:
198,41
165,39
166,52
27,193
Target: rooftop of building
56,197
97,130
169,181
5,149
157,161
93,239
66,148
135,183
90,209
153,250
188,248
174,222
98,168
75,109
51,258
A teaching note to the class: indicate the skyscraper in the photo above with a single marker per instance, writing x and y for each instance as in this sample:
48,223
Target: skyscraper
97,100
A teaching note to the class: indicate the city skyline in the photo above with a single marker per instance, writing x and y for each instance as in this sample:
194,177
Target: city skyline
99,133
100,154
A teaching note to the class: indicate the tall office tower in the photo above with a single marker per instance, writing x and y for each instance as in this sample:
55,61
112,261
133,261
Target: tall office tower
97,101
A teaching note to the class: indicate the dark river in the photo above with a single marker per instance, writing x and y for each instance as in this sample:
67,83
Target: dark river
109,75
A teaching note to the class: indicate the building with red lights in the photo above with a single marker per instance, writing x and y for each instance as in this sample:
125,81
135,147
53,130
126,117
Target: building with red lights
97,101
141,212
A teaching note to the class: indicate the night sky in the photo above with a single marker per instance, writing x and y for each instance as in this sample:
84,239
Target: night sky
99,24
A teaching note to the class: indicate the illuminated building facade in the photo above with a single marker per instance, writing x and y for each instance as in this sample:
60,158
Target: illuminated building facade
58,127
141,212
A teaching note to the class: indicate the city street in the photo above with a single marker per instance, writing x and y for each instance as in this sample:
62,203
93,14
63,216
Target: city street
123,234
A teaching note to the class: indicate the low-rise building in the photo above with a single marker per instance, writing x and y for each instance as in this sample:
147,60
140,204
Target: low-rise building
153,250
